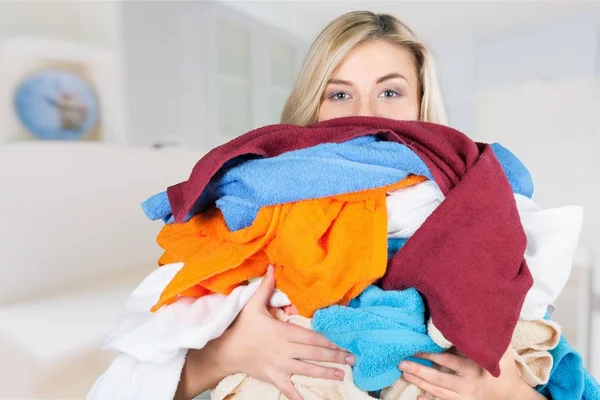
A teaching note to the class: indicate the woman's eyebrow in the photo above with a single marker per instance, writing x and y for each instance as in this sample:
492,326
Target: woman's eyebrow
393,75
339,82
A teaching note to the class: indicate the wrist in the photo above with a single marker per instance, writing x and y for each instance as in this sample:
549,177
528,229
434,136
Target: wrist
220,358
528,393
202,371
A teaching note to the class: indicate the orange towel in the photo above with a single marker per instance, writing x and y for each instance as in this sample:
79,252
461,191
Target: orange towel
325,251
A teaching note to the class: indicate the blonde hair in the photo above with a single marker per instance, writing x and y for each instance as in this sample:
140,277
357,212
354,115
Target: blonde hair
335,42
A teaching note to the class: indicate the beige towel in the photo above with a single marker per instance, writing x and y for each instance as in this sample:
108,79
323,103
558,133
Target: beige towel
530,344
242,387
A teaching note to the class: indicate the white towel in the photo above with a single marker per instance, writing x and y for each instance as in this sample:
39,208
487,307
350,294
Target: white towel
552,237
408,208
152,346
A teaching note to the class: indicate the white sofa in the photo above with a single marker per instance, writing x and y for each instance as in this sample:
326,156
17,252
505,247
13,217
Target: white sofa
74,242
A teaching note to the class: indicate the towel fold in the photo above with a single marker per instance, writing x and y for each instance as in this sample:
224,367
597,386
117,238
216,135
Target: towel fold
325,251
152,346
530,344
381,328
241,386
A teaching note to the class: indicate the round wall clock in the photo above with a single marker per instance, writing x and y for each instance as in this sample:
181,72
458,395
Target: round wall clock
54,104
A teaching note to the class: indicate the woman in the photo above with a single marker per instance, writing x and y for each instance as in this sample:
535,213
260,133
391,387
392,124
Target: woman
361,64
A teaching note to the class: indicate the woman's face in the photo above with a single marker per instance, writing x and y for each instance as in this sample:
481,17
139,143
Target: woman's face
376,79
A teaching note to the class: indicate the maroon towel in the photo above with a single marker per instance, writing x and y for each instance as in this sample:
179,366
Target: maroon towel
466,259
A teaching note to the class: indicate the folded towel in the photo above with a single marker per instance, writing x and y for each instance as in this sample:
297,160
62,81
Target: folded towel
241,386
325,251
152,346
568,379
530,344
552,238
381,328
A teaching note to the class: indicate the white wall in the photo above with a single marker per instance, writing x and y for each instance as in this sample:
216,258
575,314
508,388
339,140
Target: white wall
85,21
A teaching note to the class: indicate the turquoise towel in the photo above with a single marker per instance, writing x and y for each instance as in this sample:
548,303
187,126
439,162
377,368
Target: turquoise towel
381,328
244,185
568,379
395,244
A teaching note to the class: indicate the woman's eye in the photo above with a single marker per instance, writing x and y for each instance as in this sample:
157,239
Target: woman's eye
339,96
389,93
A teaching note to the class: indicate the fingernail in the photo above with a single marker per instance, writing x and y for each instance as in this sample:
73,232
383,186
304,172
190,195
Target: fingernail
404,366
269,270
350,360
339,373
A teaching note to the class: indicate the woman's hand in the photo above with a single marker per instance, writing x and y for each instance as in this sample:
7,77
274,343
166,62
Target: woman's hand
471,381
272,351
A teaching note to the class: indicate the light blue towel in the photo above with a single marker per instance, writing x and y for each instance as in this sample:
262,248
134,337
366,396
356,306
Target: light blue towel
516,172
568,379
367,162
381,328
395,244
324,170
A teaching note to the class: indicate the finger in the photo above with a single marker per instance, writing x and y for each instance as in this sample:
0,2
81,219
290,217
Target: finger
263,294
285,386
315,371
297,334
456,363
432,375
323,354
440,392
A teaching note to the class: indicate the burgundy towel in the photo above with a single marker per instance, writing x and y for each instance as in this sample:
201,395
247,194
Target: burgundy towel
467,258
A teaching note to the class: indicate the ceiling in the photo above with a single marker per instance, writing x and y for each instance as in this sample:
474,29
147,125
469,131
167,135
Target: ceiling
306,18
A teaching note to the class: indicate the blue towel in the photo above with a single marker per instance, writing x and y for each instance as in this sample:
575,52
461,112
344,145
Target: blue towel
245,185
568,379
381,328
395,244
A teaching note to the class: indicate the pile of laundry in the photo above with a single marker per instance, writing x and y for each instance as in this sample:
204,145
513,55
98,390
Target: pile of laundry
390,238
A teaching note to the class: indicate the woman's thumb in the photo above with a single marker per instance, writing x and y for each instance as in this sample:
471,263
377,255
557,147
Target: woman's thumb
264,292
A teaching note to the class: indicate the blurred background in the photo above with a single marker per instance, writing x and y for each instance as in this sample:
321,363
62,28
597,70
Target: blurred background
104,103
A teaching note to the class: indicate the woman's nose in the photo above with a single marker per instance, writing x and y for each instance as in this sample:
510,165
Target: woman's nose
366,109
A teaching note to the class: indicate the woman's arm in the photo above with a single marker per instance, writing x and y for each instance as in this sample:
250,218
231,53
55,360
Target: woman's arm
260,346
201,372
